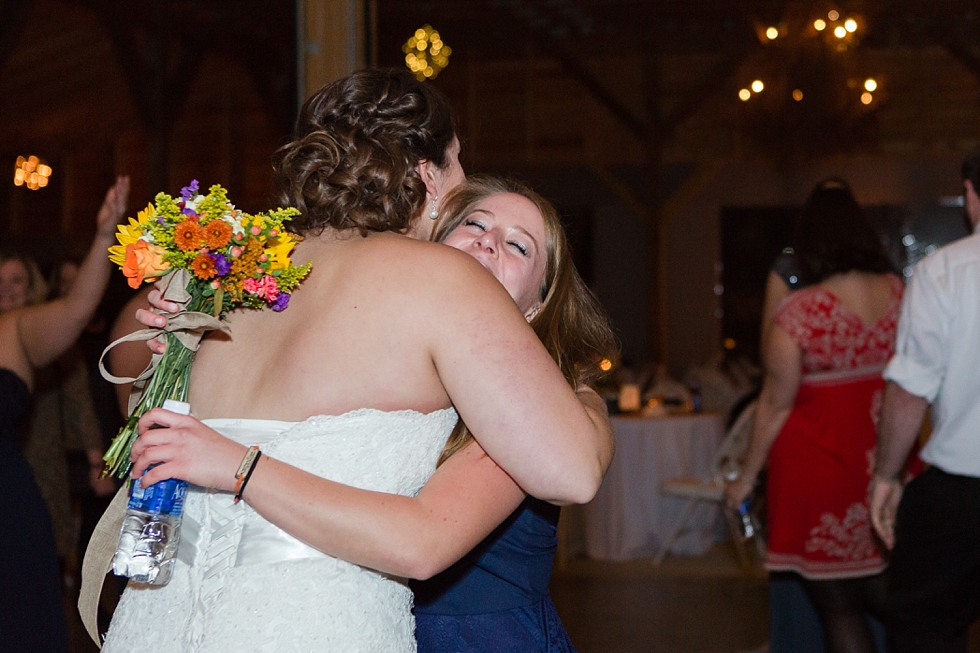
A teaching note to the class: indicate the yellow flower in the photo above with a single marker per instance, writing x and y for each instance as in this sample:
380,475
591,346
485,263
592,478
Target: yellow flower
129,234
146,214
279,253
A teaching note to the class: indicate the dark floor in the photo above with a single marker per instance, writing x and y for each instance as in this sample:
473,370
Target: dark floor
706,604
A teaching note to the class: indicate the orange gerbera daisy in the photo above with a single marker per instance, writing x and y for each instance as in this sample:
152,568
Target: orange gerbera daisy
217,234
188,235
203,267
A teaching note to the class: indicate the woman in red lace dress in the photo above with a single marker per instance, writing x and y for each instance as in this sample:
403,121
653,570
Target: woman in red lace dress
817,413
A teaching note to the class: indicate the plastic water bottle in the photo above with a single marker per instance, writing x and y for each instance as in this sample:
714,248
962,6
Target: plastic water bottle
151,529
747,523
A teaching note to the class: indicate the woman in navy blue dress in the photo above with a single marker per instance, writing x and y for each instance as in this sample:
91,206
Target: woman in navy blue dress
496,597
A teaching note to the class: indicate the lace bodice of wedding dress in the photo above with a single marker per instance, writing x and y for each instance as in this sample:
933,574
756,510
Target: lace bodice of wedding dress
242,584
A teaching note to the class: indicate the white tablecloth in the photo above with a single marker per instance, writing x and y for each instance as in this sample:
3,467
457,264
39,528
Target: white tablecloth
629,517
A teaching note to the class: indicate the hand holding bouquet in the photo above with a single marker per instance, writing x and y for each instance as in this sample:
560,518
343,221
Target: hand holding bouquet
210,258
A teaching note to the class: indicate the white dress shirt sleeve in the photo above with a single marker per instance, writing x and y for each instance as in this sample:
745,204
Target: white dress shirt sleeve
922,346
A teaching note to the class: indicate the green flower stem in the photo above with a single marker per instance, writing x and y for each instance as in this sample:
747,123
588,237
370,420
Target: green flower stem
170,380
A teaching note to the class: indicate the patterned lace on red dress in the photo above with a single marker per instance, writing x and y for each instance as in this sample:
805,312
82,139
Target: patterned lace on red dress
835,339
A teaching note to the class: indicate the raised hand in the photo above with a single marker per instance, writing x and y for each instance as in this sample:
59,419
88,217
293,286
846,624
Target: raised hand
113,206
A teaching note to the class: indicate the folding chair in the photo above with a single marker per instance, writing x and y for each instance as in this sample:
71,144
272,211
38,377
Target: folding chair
712,487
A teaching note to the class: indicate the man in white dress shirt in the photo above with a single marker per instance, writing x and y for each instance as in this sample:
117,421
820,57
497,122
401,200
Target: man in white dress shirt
932,525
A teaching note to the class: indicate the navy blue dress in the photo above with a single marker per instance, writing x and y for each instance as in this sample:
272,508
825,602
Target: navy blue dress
32,614
496,598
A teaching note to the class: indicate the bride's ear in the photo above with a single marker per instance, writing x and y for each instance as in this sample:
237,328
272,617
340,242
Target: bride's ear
426,170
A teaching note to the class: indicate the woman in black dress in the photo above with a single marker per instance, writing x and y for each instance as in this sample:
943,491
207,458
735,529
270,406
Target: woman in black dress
32,616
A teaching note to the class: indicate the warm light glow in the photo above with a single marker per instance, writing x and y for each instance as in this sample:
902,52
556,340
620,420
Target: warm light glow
31,172
744,94
605,365
833,15
870,84
729,343
757,86
866,98
850,25
772,33
426,54
819,25
840,32
797,95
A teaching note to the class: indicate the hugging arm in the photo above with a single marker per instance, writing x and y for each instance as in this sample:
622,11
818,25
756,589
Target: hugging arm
513,397
413,537
555,442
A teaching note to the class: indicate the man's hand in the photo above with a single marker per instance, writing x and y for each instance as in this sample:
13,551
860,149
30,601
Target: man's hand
885,495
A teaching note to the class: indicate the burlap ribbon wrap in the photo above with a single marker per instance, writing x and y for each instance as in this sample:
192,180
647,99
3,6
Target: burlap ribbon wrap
189,328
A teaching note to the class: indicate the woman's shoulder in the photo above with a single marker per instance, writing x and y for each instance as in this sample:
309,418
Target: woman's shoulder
429,267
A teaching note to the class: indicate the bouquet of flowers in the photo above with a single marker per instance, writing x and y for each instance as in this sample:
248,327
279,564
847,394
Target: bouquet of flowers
211,258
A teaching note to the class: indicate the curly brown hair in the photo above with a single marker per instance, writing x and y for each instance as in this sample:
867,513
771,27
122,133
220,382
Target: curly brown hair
357,142
571,324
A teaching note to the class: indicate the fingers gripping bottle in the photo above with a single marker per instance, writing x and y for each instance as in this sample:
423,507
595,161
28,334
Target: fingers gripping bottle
151,529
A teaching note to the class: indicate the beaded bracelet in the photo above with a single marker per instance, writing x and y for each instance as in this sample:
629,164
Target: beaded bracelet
245,470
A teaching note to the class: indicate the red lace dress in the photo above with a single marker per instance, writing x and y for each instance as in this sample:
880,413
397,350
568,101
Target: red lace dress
821,462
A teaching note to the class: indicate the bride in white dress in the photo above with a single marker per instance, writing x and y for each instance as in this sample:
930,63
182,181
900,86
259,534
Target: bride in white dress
380,342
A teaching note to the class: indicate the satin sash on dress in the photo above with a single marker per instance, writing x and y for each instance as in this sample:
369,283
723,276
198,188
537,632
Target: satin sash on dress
261,541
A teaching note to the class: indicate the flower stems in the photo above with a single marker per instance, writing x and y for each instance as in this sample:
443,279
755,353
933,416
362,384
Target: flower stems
170,380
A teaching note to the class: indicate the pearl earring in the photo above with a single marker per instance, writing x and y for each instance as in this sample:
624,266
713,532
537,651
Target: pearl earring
434,213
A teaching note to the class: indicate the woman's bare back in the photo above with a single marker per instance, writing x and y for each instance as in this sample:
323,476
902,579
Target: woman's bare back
354,336
867,295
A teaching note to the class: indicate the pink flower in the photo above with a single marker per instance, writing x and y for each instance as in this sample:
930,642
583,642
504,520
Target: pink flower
266,287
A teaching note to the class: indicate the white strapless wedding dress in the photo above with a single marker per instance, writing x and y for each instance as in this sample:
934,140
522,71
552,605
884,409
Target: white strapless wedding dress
241,584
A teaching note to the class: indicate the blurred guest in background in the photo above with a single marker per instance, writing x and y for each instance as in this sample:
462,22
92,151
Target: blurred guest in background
934,574
32,614
817,410
21,283
65,445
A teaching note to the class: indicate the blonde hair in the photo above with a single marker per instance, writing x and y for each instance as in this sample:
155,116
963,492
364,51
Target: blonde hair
571,323
37,288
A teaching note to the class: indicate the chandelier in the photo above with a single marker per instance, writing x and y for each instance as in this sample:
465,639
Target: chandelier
810,89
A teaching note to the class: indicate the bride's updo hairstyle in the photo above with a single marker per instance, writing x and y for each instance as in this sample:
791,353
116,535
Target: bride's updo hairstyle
357,142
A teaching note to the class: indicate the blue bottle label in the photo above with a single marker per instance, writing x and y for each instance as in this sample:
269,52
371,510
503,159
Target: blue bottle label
163,498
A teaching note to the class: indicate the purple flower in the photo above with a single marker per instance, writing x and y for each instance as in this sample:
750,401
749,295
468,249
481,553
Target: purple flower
188,211
189,191
282,301
221,264
161,220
